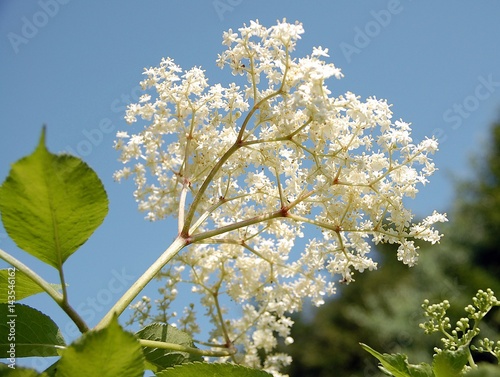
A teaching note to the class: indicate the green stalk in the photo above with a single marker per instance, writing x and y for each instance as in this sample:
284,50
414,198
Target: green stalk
56,296
178,347
140,283
238,225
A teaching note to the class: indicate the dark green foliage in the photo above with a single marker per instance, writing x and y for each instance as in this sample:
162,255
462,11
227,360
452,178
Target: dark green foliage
477,212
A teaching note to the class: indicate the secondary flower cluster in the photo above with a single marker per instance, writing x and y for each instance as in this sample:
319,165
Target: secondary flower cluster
466,327
246,169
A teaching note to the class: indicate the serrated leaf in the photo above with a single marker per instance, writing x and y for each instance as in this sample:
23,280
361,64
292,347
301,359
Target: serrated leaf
450,363
23,286
395,364
6,371
162,358
51,204
212,370
420,370
398,365
31,332
110,352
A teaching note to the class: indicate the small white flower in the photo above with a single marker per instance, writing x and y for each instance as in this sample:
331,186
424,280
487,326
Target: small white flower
255,164
320,51
122,135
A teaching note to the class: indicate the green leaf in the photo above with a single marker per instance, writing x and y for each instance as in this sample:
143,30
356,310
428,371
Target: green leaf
23,286
420,370
51,204
110,352
212,370
6,371
27,332
398,365
450,363
162,358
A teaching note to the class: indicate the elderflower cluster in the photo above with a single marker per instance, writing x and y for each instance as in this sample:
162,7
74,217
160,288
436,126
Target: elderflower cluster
248,168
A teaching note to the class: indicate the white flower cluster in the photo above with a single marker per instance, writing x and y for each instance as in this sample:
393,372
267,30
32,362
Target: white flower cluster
245,169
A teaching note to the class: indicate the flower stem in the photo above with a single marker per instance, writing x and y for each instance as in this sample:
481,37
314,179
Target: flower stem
237,225
237,144
140,283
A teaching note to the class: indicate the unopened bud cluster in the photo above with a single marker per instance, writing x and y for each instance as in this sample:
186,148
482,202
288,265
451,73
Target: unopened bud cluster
466,328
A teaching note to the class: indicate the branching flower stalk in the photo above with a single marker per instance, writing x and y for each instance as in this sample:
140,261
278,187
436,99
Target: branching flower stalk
244,187
462,335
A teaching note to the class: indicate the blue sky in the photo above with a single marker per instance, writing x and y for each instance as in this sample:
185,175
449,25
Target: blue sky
74,65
